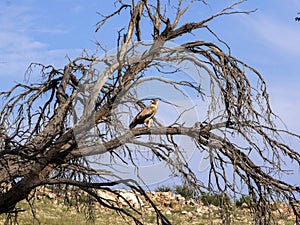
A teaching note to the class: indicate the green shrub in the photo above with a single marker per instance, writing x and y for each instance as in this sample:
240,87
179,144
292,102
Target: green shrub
244,201
185,191
163,188
215,199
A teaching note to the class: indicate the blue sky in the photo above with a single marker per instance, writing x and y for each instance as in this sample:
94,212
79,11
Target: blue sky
47,31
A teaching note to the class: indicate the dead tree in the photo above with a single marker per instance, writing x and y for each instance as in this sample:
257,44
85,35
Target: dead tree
48,128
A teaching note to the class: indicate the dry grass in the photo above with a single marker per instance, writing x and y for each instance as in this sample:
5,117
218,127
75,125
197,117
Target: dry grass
49,213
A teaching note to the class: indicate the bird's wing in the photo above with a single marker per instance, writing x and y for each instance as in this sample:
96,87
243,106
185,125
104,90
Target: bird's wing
146,113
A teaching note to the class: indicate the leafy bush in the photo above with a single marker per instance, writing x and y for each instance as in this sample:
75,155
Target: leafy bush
244,201
163,188
215,199
185,191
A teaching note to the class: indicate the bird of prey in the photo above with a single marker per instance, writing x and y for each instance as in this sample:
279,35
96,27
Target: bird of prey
146,115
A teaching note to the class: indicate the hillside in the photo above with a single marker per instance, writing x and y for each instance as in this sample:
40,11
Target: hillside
52,210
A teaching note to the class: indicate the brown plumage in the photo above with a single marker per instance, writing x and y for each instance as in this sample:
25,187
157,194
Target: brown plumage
146,115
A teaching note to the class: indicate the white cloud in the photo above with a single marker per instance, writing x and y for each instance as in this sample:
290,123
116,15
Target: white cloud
14,42
77,9
16,45
52,31
280,36
277,33
19,47
286,104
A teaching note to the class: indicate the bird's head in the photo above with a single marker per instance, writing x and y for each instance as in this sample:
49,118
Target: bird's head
154,101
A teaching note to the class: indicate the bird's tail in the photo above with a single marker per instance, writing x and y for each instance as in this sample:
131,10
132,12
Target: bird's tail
132,124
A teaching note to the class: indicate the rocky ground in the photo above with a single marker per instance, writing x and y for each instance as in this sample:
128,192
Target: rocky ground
51,209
